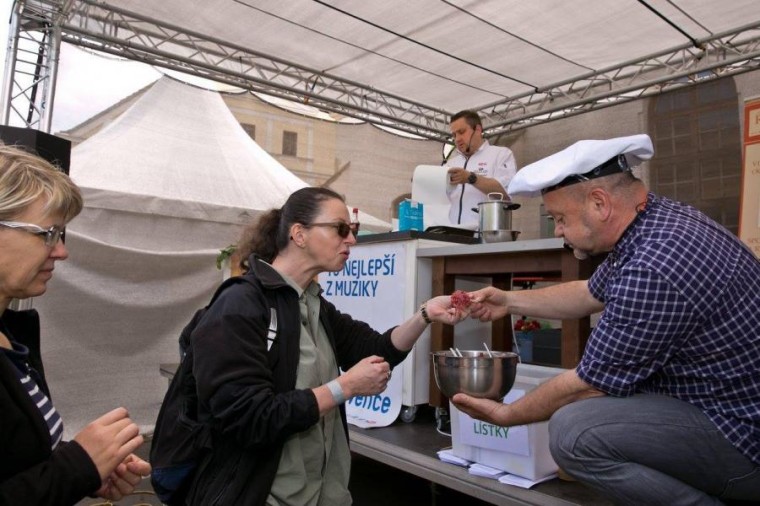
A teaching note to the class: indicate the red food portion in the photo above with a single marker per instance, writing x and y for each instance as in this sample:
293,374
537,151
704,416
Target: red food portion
460,300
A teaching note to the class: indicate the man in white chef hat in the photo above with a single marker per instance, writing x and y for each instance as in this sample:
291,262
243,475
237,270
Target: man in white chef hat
664,406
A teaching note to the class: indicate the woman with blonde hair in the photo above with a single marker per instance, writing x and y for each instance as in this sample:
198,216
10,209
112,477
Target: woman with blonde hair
36,466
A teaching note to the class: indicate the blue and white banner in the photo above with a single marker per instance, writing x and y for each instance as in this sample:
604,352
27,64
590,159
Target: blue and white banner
371,288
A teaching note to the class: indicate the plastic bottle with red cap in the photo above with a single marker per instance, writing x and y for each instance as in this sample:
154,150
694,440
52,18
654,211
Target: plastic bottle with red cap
355,219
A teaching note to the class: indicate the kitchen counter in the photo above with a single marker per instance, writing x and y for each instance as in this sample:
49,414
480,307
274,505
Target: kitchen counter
477,248
413,234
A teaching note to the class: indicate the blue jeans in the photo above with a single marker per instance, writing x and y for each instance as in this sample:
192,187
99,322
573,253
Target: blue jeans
650,449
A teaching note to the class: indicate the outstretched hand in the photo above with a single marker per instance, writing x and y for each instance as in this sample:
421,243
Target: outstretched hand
440,309
481,409
488,304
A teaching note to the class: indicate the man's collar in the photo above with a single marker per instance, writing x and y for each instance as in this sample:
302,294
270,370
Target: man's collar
483,145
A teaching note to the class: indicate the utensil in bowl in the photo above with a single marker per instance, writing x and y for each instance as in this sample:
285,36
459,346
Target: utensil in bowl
475,373
455,352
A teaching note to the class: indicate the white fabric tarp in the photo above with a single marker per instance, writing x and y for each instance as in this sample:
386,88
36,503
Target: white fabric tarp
451,54
167,185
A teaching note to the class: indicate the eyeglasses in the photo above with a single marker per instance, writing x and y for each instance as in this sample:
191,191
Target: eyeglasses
52,235
341,227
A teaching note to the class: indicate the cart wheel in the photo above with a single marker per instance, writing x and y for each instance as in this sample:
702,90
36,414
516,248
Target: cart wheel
442,421
408,414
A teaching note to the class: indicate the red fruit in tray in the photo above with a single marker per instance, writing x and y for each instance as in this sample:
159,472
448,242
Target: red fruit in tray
461,300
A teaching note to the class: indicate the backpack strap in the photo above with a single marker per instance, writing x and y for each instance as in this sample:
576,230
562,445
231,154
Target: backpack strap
184,338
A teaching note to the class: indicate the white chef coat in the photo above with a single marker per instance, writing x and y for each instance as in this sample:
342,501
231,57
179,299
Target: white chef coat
496,162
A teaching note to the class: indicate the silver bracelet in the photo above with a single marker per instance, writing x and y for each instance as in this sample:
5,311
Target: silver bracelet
337,392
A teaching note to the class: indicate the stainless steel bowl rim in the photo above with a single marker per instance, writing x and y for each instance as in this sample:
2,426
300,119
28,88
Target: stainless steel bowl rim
475,373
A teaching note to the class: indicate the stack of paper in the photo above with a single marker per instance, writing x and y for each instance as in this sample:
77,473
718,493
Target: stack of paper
517,481
486,471
449,457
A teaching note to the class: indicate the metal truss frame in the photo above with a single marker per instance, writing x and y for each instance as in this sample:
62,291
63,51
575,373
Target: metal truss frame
721,55
111,30
31,65
118,32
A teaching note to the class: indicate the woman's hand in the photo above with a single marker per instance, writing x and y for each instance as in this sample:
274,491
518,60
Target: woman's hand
123,480
368,377
440,309
109,440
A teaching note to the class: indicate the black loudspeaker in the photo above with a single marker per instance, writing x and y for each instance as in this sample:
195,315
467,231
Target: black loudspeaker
53,149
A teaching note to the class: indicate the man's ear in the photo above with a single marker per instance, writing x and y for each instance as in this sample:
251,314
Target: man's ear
600,203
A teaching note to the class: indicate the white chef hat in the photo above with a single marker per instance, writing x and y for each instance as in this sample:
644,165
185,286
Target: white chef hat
580,162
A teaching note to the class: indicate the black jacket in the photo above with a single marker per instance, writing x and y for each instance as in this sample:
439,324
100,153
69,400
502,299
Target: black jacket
30,472
249,392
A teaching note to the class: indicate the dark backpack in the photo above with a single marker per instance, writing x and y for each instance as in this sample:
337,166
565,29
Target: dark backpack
180,439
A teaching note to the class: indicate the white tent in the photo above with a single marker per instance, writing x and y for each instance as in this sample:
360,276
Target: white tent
166,185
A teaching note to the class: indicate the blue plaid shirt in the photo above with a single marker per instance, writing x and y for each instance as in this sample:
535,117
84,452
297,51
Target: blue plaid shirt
681,318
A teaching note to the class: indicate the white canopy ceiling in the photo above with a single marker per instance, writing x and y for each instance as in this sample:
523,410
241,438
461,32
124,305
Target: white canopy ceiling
409,65
454,54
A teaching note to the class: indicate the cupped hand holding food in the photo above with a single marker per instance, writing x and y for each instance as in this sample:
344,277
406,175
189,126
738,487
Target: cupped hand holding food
442,309
368,377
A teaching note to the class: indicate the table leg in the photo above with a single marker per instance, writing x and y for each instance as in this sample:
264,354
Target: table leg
501,329
441,336
574,332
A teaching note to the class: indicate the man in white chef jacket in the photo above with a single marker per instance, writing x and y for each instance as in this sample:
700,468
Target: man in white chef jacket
475,170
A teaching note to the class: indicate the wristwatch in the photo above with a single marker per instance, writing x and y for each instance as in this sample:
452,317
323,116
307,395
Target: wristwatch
472,178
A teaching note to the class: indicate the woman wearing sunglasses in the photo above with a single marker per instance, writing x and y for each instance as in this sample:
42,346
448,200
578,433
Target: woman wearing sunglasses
279,426
36,466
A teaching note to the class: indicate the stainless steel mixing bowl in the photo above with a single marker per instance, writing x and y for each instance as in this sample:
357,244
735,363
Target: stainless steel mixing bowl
489,236
475,373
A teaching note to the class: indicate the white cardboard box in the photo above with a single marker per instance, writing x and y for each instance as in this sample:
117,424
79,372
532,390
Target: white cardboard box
522,450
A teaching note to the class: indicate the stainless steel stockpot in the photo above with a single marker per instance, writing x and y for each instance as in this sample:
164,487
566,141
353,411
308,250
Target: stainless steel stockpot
495,213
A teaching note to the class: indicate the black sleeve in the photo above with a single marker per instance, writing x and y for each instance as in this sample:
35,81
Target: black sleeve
67,477
355,340
235,378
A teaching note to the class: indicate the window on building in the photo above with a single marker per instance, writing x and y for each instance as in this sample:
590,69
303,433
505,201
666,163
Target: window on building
249,129
697,148
289,143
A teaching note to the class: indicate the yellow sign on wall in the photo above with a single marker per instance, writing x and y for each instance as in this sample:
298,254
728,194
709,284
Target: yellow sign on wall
749,211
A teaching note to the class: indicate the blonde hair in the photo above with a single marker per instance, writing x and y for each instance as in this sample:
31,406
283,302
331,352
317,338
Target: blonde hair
25,177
